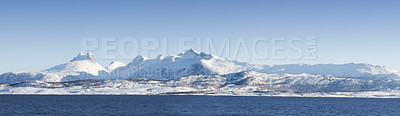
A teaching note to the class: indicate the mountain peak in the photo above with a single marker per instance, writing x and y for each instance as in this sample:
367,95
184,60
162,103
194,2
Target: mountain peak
140,58
193,54
191,51
159,57
81,56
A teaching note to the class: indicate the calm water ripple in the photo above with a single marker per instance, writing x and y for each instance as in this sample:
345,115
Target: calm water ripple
192,105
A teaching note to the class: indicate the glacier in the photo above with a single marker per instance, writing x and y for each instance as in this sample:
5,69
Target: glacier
199,73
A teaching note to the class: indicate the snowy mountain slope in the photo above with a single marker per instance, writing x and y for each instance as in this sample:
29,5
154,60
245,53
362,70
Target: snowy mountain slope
114,65
200,82
242,83
174,66
81,63
17,77
351,70
194,63
250,81
80,67
253,81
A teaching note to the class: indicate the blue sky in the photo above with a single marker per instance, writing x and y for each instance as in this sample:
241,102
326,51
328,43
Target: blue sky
35,35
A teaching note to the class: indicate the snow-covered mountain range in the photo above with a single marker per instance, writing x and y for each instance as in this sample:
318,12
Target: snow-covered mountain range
195,73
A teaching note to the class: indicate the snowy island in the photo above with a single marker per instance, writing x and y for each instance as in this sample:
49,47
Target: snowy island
194,73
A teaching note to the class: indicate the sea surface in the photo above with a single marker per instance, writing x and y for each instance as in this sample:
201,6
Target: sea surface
192,105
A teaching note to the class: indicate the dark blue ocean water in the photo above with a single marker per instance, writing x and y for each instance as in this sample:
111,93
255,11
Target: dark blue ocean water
192,105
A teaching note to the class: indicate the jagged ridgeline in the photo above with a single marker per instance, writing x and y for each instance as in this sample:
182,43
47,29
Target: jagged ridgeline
202,71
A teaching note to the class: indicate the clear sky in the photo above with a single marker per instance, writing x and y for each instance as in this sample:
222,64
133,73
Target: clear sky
35,35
